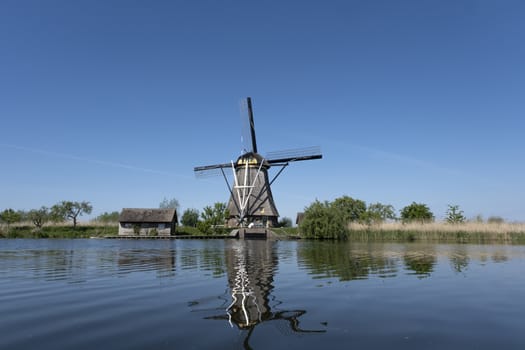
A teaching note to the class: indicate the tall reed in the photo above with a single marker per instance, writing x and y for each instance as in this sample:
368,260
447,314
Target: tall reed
472,232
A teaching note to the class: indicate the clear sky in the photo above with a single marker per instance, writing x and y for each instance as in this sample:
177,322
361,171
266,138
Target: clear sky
115,102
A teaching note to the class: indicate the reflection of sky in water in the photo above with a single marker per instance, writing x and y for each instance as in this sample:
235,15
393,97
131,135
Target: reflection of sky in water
153,294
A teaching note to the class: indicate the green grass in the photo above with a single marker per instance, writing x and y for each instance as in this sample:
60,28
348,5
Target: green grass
84,230
60,231
286,232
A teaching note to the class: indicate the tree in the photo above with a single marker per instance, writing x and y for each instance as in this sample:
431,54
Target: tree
213,218
378,213
169,204
495,220
416,212
9,216
39,216
215,215
323,222
284,222
350,209
70,210
106,217
455,215
190,217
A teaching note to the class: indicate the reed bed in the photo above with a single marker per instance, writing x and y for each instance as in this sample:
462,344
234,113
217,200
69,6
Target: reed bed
471,232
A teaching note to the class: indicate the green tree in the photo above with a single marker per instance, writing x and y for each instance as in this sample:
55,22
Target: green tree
190,217
416,212
106,217
205,227
9,216
67,210
216,214
349,209
39,216
323,222
454,215
377,213
284,222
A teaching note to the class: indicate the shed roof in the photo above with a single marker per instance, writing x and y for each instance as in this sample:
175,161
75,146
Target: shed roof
148,215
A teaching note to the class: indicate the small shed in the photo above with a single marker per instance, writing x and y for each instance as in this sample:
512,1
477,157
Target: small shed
147,222
299,218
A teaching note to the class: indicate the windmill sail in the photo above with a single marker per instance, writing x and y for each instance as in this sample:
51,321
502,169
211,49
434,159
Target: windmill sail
248,140
251,200
294,155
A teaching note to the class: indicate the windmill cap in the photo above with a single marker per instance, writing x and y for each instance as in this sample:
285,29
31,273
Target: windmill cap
252,159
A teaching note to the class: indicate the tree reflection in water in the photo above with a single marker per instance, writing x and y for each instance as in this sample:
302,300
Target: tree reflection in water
421,259
251,265
346,261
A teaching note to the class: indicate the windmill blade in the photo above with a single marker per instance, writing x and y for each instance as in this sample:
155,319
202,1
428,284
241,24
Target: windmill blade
249,142
294,155
210,170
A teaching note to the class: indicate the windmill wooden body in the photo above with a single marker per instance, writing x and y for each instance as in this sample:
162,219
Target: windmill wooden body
251,201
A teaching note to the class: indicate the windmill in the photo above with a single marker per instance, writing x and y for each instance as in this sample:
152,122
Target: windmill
251,201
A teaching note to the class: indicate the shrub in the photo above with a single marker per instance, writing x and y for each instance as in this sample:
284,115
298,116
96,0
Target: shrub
377,213
321,221
495,220
416,212
349,209
190,217
285,222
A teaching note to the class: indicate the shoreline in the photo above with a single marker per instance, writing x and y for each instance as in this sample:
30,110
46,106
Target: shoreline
476,233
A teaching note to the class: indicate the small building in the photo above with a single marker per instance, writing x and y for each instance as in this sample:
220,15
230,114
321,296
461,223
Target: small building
299,218
147,222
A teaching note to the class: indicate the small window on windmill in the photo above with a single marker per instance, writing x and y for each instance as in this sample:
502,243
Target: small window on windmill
161,226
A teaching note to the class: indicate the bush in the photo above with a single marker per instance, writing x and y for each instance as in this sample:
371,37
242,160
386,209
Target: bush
190,217
377,213
321,221
285,222
108,217
349,209
416,212
495,220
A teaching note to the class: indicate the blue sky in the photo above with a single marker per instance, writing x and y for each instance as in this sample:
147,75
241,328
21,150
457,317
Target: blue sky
115,102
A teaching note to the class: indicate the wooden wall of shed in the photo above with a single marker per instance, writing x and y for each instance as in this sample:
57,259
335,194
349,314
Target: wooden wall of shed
146,229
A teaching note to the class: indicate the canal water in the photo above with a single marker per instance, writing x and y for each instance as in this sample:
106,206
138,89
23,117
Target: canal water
232,294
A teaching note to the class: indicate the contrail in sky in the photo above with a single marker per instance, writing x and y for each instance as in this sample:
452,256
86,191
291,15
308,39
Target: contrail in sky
94,161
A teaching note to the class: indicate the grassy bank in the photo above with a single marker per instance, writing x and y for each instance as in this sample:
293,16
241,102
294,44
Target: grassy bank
59,231
470,232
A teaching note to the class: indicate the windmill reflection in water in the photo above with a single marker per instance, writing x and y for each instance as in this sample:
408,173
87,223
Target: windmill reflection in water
251,265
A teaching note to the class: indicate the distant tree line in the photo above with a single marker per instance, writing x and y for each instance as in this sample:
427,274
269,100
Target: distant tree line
60,212
320,220
331,220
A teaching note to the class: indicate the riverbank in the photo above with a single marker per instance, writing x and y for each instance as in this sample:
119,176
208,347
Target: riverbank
508,233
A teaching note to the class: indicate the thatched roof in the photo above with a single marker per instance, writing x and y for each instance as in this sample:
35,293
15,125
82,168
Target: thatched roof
148,215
